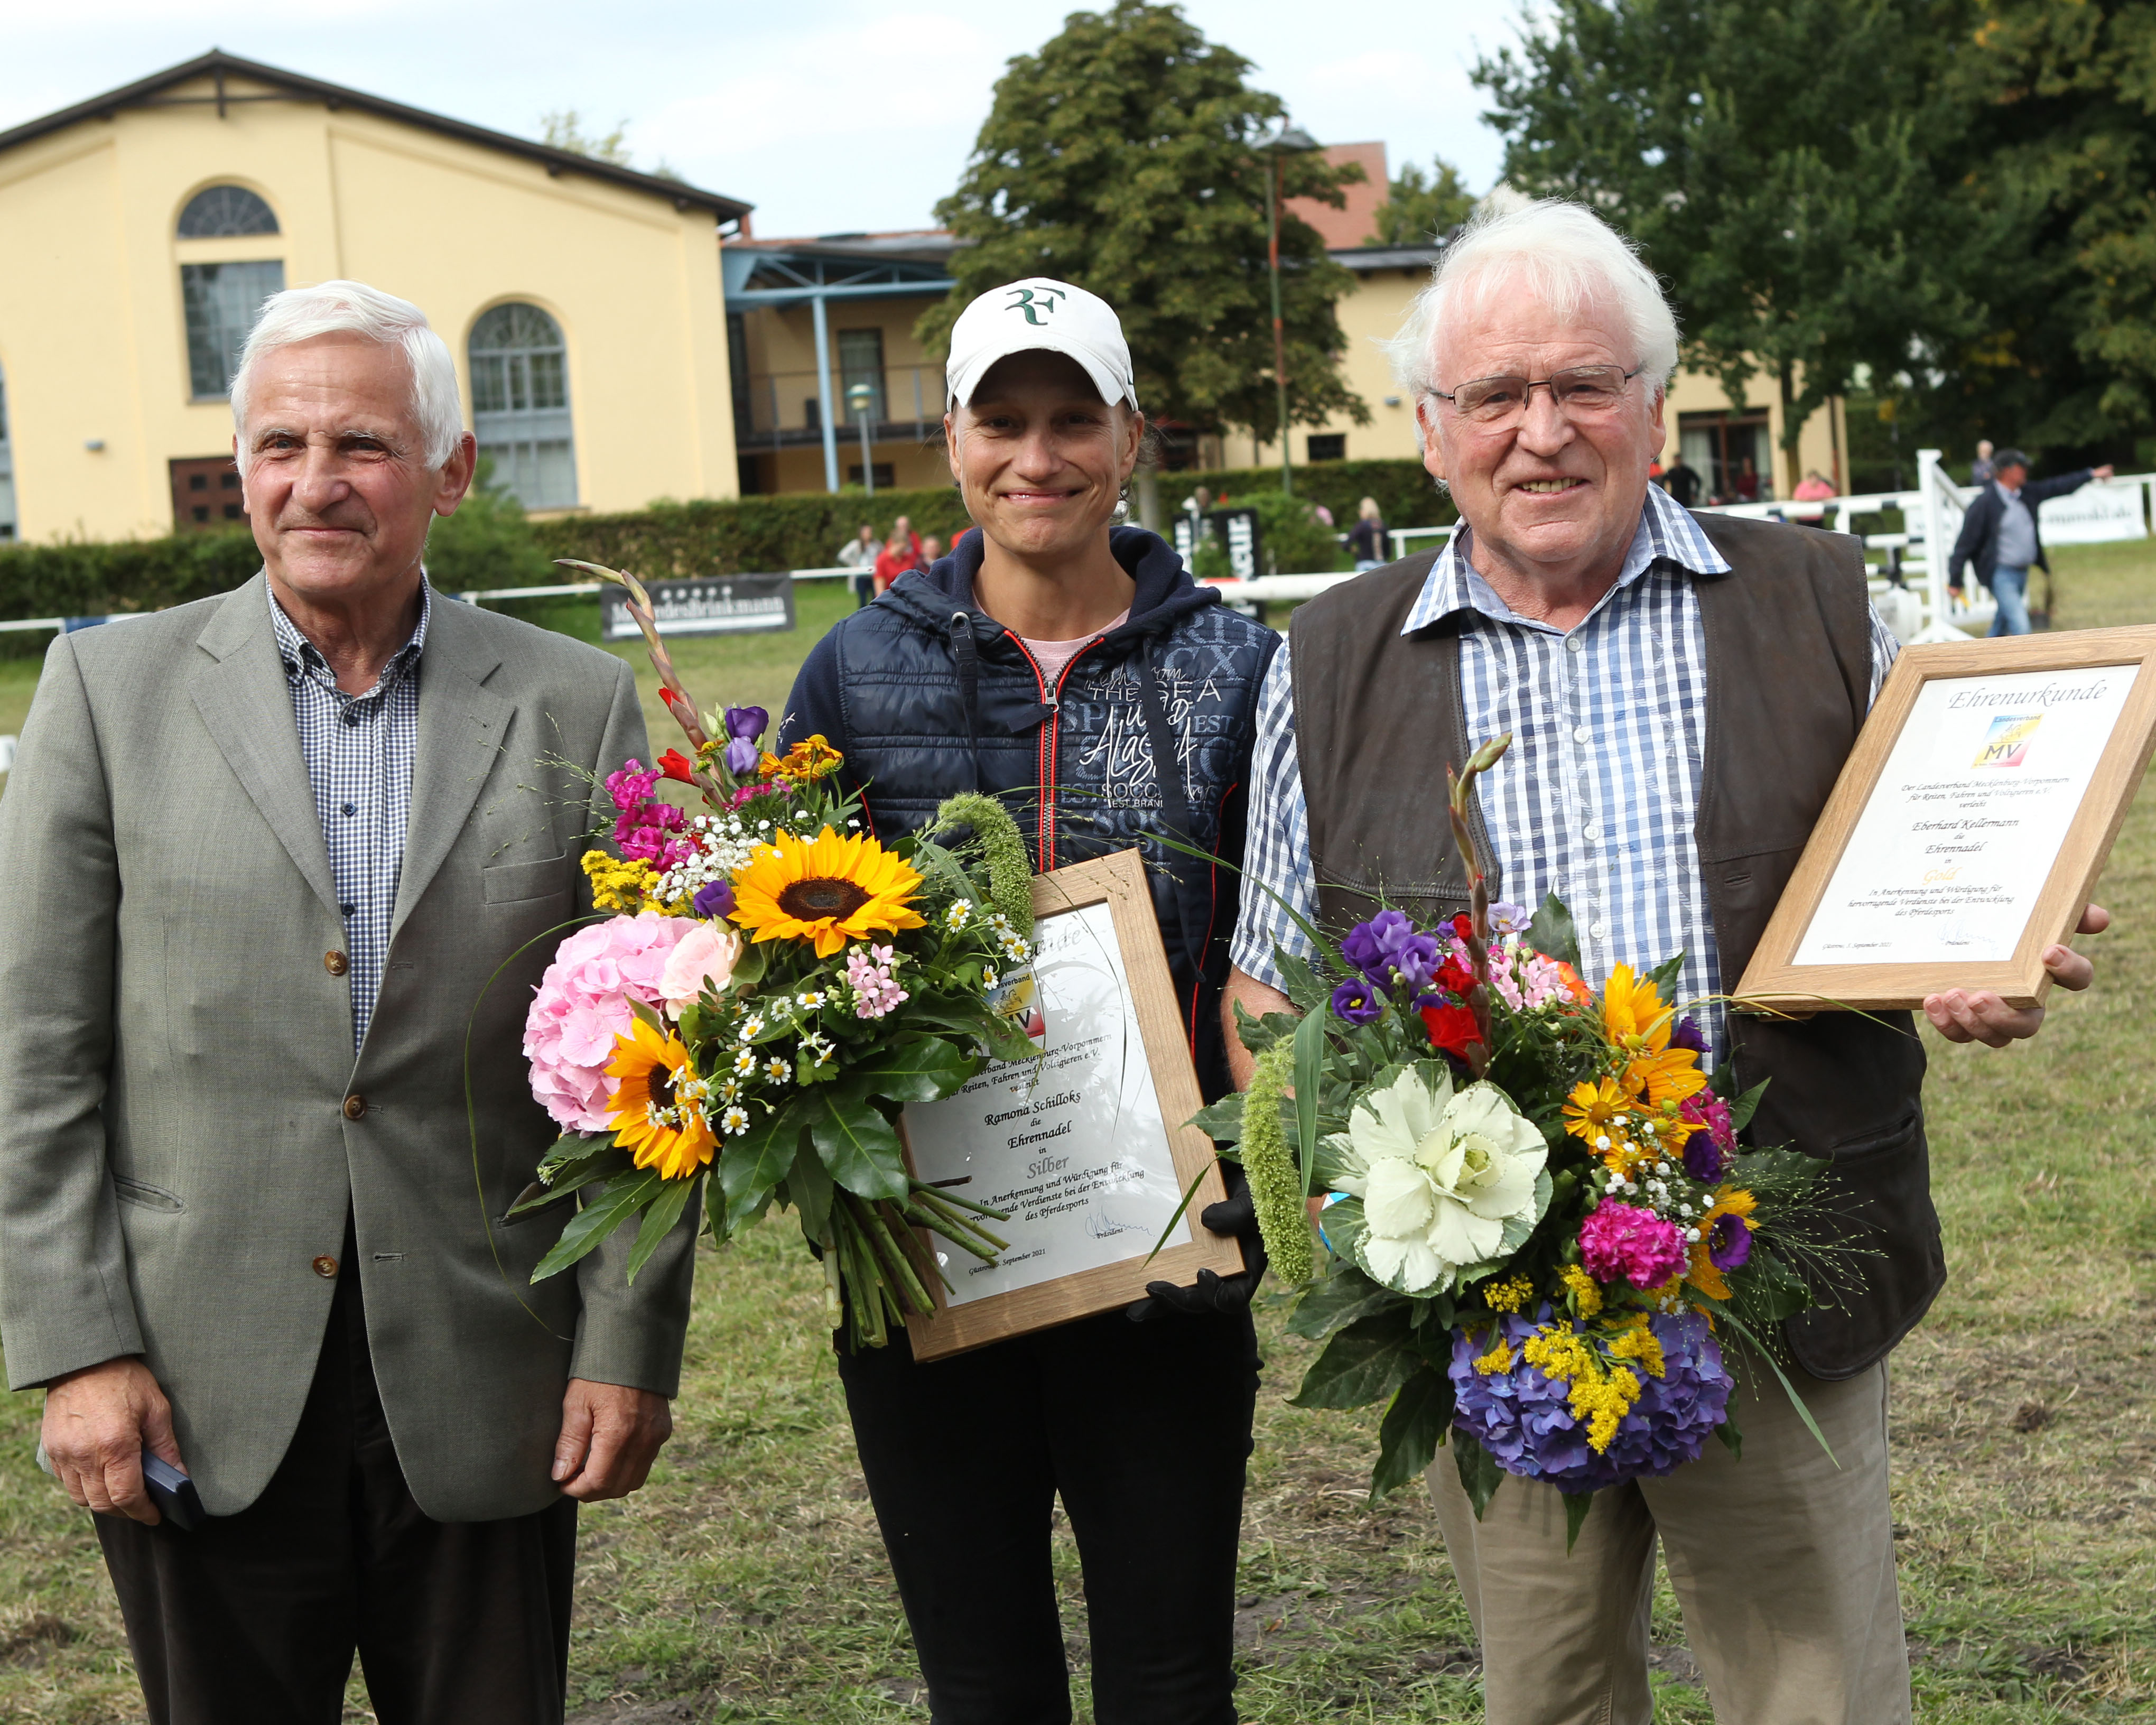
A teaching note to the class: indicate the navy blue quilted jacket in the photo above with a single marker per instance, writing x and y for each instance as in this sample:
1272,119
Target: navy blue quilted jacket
928,695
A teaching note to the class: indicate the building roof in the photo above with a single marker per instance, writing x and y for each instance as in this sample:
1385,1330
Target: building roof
905,264
217,65
1355,223
1362,258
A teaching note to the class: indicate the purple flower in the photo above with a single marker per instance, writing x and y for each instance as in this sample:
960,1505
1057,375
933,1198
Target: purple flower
745,726
1707,1153
1509,918
1524,1419
1729,1242
1416,959
1370,946
1356,1003
715,900
1687,1034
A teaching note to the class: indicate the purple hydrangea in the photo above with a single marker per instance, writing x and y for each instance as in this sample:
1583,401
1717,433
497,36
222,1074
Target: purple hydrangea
1524,1419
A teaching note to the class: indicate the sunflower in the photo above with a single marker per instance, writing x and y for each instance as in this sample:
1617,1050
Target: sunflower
658,1103
829,889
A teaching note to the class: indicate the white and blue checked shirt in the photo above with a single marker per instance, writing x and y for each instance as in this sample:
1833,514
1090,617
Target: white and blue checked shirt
1596,799
359,750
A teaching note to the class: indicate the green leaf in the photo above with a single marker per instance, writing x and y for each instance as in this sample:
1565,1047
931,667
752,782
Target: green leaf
1309,992
1732,1440
751,1164
645,1016
1552,932
1576,1506
570,1149
593,1223
1408,1440
1365,1363
1258,1034
1664,976
1309,1087
659,1219
1333,1150
602,1164
808,1187
1479,1472
1745,1106
1222,1120
1342,1297
916,1069
749,968
858,1147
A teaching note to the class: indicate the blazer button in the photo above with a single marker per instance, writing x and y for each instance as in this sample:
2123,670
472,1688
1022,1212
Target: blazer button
335,963
355,1107
326,1268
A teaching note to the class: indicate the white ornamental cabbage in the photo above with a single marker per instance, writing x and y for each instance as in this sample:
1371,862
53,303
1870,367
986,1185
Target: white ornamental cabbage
1445,1177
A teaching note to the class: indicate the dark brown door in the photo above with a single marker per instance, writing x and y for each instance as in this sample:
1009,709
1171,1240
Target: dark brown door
205,494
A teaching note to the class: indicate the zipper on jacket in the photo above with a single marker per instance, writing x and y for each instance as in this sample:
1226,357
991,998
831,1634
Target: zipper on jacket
1044,751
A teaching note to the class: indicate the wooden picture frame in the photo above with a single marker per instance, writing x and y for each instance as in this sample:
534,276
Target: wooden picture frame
1118,881
1875,782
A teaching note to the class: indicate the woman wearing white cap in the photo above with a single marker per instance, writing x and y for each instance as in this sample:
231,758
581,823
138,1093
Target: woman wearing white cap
1060,662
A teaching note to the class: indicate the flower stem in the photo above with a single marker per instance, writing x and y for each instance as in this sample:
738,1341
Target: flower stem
1460,787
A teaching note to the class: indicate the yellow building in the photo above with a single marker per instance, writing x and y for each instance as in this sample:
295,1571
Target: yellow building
141,230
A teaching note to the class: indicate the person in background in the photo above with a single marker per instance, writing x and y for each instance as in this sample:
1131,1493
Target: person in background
859,554
1682,483
1748,482
900,552
1999,535
932,548
1810,488
1984,470
1366,539
1072,670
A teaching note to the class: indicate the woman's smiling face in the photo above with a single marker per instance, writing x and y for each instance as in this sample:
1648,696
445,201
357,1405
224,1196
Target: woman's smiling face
1039,458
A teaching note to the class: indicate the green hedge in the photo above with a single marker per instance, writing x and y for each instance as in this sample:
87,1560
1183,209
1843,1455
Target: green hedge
488,542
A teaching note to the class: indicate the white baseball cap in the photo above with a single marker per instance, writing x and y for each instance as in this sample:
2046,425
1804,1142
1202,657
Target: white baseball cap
1034,314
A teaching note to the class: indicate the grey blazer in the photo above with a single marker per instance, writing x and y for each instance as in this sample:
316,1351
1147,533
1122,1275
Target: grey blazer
176,1078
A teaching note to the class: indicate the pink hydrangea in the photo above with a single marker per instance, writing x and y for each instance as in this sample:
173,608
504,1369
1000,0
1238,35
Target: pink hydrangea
582,1004
1623,1240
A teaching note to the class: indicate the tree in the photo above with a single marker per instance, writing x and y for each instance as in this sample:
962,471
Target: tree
1417,211
1791,171
563,130
1124,157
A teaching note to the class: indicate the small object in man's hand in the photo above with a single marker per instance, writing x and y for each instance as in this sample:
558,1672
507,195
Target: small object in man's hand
172,1492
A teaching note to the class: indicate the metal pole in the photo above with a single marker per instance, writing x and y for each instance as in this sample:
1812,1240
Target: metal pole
823,402
1279,339
868,467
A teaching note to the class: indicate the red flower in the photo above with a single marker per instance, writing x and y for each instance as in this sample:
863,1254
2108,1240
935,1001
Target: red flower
676,765
1455,977
1451,1028
1463,925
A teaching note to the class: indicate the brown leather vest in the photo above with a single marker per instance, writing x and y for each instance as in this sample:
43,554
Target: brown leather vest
1379,716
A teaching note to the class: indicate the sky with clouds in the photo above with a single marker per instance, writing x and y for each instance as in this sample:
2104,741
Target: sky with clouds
830,116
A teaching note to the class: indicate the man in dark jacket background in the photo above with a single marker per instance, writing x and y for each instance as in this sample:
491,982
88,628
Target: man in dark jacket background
2000,534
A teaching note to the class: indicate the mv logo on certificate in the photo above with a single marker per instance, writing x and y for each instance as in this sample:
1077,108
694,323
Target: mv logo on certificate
2006,744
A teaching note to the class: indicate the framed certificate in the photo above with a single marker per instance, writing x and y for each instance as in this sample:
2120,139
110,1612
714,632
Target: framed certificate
1969,827
1084,1144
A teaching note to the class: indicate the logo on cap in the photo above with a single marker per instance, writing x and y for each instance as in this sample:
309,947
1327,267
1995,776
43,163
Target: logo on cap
1027,303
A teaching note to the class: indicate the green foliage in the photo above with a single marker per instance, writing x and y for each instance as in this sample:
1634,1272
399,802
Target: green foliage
732,536
1002,849
1419,210
1295,540
563,129
86,578
1406,495
487,542
1124,157
1793,172
1276,1186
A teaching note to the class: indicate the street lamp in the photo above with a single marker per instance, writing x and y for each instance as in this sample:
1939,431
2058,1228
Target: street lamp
1292,140
861,398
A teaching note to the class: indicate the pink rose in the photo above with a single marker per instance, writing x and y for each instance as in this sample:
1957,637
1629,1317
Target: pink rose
704,958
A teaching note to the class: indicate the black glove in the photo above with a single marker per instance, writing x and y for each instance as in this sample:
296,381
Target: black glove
1234,1214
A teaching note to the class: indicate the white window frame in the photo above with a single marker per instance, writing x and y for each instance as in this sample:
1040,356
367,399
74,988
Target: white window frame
521,408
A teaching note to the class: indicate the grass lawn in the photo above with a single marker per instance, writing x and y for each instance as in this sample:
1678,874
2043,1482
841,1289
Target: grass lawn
748,1583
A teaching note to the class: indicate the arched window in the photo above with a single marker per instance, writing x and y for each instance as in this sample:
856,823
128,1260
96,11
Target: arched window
519,376
7,529
224,212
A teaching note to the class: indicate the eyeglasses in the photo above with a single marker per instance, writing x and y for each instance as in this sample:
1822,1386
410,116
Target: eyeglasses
1579,392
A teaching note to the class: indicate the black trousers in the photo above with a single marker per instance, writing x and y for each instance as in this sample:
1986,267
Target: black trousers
253,1618
1145,1431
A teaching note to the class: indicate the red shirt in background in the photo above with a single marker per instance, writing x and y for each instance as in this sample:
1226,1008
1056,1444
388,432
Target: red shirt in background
893,561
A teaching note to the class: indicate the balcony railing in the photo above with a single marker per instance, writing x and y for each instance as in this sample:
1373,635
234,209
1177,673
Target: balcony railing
786,409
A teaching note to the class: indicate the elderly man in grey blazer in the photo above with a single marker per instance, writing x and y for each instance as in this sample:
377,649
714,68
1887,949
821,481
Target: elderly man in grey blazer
281,869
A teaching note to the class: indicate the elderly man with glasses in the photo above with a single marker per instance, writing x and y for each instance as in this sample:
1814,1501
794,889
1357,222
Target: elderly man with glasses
1681,691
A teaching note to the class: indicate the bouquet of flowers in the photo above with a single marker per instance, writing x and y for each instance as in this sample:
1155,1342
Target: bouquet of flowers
774,986
1541,1225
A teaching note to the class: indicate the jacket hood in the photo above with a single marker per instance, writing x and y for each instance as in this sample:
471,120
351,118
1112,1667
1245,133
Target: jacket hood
1165,592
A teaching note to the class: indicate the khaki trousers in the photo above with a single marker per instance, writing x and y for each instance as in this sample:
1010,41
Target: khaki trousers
1783,1564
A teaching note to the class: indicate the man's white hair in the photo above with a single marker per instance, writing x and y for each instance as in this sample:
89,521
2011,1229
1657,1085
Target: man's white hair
332,308
1561,253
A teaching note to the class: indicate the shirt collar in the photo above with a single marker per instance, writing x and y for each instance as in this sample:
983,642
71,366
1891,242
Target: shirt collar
302,658
1667,533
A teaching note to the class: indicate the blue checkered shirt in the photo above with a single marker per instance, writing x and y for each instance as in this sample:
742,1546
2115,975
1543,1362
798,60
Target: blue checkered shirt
359,751
1596,799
